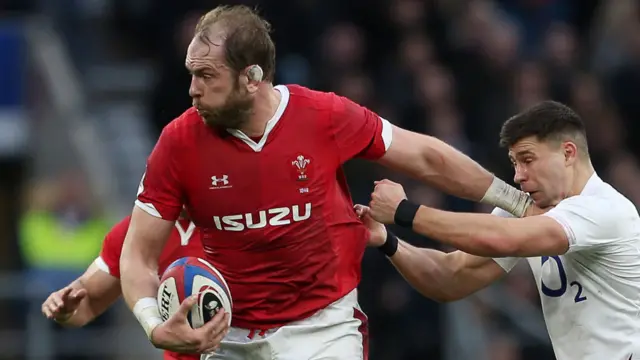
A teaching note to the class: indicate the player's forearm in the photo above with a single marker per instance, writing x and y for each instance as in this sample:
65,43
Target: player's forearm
455,173
140,284
477,234
141,249
429,271
139,280
143,244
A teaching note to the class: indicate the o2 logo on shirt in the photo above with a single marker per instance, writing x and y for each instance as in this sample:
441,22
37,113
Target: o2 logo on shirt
564,285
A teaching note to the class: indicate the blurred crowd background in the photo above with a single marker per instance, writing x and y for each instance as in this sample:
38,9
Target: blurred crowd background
86,86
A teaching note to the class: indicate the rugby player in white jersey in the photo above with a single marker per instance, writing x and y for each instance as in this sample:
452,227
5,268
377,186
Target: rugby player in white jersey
584,252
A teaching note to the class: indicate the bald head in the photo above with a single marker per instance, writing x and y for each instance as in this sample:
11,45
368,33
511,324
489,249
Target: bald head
241,35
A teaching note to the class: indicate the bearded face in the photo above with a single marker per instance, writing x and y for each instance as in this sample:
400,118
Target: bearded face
232,113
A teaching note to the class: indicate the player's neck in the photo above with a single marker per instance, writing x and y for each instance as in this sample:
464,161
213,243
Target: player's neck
582,174
265,106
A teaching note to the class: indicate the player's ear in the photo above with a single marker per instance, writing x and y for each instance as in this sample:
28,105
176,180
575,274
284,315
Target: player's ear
570,152
252,77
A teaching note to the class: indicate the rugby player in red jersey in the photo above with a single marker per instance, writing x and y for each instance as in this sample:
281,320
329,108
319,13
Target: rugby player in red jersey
99,287
259,168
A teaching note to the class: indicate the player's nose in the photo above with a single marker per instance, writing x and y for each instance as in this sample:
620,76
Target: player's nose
194,90
519,176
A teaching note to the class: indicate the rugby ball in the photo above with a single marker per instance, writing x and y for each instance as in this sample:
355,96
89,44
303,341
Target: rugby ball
188,276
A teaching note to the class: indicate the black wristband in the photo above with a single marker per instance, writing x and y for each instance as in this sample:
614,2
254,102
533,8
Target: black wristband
405,213
390,246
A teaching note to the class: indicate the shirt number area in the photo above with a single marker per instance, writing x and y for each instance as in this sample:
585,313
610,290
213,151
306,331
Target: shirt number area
564,284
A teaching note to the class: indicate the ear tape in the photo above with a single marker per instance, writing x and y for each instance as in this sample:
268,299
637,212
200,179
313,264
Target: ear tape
255,73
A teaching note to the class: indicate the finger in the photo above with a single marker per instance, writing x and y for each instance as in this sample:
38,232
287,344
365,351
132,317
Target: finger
53,306
46,312
225,326
367,218
211,349
218,339
51,311
64,293
57,300
215,325
186,306
78,294
46,303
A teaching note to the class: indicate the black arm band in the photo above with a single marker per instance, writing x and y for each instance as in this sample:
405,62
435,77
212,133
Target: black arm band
405,213
390,246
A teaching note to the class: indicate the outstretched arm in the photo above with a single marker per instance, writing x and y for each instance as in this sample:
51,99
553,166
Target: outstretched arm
358,132
440,165
487,235
477,234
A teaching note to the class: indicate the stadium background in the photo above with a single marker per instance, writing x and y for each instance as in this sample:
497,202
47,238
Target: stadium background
85,87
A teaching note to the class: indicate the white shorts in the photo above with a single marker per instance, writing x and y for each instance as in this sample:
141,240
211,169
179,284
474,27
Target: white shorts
337,332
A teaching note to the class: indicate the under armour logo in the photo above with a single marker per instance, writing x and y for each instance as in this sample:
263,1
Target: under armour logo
216,182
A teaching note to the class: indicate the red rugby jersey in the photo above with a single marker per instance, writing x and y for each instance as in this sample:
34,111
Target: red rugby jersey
276,215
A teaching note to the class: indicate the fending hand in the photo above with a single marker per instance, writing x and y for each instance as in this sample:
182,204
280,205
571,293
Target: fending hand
377,231
385,199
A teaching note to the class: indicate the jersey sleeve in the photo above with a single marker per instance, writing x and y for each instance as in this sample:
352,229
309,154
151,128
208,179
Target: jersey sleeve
358,131
160,191
109,259
589,221
506,263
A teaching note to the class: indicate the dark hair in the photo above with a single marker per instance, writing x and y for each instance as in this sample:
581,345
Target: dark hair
247,37
547,121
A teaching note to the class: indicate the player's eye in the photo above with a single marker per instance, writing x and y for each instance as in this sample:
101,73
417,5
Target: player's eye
202,75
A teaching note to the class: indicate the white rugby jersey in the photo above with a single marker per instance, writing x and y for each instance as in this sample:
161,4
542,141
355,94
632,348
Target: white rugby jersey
591,295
